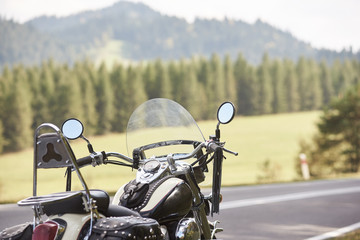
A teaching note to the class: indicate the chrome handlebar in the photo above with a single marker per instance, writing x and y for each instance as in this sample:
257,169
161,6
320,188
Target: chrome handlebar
98,158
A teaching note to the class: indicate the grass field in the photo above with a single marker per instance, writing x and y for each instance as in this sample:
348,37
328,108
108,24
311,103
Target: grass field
355,235
272,137
110,52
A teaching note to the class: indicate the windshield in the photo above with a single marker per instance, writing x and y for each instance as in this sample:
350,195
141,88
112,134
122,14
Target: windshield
159,120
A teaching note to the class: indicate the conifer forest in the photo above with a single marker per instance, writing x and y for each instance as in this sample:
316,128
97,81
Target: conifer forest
103,97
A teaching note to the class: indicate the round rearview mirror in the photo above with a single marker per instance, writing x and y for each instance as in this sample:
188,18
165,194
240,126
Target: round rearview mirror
226,112
72,128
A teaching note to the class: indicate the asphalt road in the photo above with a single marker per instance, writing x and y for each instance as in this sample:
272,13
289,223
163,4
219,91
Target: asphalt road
304,210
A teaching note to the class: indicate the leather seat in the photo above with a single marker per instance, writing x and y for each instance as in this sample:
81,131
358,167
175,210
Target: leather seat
75,203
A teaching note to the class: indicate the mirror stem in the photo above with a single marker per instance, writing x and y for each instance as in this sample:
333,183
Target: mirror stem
217,132
90,147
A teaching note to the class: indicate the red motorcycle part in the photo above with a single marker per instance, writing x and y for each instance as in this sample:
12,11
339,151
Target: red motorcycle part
45,231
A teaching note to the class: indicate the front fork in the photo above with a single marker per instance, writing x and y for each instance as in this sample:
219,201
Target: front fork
199,207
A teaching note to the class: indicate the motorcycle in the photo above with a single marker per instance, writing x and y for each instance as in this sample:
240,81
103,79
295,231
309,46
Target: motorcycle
170,155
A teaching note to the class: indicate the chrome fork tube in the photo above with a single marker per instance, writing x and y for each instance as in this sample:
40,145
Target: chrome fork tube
198,204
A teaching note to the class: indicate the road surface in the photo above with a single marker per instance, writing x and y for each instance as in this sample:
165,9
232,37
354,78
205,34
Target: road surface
303,210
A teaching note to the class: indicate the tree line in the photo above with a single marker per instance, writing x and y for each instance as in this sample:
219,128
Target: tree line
104,98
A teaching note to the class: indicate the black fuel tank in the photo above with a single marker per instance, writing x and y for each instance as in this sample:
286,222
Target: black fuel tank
172,200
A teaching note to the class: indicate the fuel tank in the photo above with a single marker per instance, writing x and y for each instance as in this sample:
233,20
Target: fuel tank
164,200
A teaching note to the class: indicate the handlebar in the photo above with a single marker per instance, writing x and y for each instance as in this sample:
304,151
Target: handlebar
98,158
119,155
210,146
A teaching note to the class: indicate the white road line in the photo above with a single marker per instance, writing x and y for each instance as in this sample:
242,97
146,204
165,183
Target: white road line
286,197
336,233
286,185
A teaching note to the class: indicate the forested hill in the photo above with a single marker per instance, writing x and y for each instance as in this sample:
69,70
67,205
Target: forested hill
24,44
134,31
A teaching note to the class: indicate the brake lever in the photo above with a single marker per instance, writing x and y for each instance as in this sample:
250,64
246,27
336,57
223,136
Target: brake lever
228,151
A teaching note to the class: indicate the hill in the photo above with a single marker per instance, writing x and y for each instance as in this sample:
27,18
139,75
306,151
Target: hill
24,44
140,33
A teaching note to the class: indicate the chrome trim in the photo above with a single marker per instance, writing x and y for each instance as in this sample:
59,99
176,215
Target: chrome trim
187,229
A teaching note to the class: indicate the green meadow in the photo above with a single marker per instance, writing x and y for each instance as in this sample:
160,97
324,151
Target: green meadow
258,139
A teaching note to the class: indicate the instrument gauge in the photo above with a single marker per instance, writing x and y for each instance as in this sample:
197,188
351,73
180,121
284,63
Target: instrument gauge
152,166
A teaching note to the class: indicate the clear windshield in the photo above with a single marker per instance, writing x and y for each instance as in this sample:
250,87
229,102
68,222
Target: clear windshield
159,120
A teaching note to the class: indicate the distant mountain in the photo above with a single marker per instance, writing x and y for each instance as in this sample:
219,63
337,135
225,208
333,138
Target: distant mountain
133,31
24,44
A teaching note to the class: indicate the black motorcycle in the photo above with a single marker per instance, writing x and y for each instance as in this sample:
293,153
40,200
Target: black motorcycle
165,201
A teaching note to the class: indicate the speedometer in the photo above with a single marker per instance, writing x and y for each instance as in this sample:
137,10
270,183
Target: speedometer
152,166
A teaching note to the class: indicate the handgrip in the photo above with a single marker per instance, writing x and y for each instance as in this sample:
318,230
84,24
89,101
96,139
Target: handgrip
213,147
84,161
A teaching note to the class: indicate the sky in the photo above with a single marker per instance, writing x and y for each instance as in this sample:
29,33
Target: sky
331,24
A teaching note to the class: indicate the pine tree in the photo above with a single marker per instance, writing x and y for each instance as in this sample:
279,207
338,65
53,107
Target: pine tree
105,99
264,86
67,98
190,91
46,88
203,69
313,89
230,83
162,80
175,78
149,77
5,82
135,91
337,145
252,83
350,74
356,69
217,80
17,109
2,140
38,102
291,86
302,72
204,76
213,77
178,79
85,72
244,90
277,74
342,77
118,84
3,88
326,83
